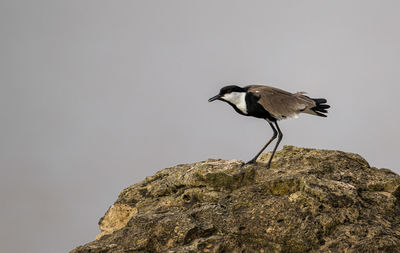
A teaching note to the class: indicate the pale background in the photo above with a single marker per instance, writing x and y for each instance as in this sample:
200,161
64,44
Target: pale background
97,95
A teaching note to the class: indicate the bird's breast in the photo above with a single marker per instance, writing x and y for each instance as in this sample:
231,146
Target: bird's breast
255,109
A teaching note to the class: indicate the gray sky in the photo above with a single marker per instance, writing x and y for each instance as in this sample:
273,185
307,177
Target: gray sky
97,95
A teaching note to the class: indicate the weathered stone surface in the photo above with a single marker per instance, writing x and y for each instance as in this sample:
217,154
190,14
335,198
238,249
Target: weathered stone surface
115,218
308,201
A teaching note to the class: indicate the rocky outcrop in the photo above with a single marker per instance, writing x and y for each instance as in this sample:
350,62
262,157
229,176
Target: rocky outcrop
308,201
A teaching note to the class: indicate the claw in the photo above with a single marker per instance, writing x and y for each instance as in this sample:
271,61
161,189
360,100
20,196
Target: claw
251,161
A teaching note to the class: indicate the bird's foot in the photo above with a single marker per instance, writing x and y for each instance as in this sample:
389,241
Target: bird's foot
252,161
268,165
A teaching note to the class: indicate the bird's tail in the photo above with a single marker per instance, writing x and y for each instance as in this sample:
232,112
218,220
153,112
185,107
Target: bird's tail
321,107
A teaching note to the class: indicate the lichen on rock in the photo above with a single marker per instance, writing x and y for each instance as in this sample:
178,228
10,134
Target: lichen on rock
308,201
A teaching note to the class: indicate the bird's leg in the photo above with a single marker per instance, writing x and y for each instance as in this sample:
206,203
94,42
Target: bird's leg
280,135
266,145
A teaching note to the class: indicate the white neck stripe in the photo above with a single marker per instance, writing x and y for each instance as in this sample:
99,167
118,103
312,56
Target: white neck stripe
238,99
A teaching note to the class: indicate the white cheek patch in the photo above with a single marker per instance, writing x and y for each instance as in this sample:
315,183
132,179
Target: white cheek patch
238,99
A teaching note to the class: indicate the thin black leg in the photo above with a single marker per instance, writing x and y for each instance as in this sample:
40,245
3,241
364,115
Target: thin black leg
266,145
280,135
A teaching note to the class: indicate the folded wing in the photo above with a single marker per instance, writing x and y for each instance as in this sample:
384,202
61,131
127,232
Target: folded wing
281,104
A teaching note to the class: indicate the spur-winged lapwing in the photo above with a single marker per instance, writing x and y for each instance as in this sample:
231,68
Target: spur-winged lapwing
272,104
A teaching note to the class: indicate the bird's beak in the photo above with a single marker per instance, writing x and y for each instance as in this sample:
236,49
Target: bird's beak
214,98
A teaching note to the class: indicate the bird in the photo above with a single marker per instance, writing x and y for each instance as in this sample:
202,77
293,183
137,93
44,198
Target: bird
271,104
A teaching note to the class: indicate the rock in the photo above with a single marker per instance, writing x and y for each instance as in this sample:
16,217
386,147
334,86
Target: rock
308,201
115,218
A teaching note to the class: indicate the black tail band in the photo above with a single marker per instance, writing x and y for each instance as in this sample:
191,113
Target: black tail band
320,107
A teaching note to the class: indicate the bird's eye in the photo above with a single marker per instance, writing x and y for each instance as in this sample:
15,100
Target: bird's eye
229,91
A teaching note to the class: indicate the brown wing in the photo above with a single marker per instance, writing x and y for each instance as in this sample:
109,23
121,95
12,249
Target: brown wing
280,103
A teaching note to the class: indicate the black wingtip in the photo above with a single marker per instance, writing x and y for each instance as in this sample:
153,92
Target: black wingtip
320,100
320,107
320,114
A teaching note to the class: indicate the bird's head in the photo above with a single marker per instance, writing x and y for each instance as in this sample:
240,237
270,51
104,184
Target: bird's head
229,94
